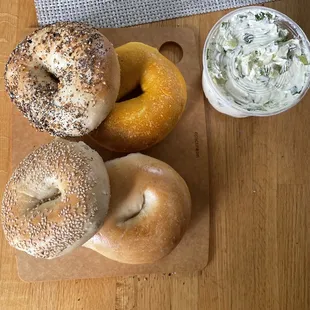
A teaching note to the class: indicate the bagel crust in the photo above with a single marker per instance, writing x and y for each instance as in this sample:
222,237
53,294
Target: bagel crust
56,199
64,78
149,211
139,123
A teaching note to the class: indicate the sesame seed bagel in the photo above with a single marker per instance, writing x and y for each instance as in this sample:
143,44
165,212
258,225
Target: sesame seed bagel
64,78
141,122
149,211
56,199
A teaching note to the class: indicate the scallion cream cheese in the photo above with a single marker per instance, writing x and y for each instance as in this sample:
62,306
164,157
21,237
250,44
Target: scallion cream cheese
256,63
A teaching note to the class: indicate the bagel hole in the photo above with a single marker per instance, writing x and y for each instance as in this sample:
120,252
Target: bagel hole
133,94
137,212
172,50
53,77
54,196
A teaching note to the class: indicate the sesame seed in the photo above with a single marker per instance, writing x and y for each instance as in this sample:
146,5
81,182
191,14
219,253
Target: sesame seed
29,224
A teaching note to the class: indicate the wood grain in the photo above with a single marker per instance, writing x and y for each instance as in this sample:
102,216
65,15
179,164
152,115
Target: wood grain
260,221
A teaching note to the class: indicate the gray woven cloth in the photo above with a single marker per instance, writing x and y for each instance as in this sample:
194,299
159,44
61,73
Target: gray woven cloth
122,13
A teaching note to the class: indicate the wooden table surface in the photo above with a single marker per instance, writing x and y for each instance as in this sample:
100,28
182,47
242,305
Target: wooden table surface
259,198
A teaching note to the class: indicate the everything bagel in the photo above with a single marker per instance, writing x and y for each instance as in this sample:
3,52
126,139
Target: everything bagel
64,78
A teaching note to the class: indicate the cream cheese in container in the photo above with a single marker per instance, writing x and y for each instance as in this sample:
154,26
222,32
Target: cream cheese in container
256,63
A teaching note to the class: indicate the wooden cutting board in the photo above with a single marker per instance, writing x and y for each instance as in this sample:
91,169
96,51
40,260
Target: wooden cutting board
185,149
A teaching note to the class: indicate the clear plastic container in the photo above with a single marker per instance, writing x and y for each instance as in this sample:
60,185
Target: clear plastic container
217,98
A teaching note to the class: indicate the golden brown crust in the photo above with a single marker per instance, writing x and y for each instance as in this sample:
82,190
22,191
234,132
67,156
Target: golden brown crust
139,123
64,78
149,211
56,199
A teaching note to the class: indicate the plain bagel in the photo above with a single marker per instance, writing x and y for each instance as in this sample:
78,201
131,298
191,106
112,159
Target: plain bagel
64,78
139,123
56,199
149,211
